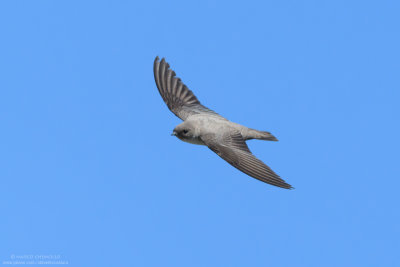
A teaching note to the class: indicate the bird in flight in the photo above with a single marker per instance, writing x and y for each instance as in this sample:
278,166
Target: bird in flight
202,126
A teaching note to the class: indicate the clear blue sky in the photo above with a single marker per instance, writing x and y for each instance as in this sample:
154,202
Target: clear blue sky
90,172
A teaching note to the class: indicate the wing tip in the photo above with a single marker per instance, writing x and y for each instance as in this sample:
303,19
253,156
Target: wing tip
286,186
162,61
157,61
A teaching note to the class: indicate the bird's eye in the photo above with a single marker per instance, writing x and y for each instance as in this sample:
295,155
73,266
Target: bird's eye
185,131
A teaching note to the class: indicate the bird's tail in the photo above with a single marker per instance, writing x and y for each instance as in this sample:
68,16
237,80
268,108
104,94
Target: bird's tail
261,135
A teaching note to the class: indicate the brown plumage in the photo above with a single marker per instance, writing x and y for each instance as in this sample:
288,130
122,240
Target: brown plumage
203,126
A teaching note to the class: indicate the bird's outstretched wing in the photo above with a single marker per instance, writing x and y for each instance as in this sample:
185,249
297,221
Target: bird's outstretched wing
179,99
232,148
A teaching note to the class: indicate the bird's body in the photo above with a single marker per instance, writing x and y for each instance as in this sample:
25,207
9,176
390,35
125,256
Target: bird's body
202,126
216,125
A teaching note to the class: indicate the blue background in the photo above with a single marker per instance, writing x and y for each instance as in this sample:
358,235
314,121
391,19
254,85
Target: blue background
90,172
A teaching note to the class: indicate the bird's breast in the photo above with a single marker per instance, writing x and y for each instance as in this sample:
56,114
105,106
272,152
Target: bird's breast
195,141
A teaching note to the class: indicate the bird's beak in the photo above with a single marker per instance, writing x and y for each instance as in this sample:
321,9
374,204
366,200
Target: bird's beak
173,133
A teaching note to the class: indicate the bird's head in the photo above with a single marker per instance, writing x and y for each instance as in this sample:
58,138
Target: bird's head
184,131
